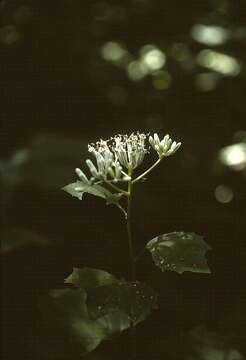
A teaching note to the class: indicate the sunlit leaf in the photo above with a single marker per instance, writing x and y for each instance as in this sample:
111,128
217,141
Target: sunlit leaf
78,188
179,251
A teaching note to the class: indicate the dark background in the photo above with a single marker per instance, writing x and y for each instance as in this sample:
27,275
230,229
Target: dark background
58,93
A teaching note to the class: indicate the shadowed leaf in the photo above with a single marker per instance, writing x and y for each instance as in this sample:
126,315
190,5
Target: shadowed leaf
66,328
106,294
134,299
77,320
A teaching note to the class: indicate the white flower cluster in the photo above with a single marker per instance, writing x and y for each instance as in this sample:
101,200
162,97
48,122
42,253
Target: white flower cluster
107,167
165,147
122,151
130,150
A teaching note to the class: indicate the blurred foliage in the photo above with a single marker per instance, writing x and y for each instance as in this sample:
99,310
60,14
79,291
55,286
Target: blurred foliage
15,239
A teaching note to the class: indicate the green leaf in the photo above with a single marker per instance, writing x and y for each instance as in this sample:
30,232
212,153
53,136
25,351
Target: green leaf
66,329
77,320
89,278
113,199
106,294
179,251
134,299
78,188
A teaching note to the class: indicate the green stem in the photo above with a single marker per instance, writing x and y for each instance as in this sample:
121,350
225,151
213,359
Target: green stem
147,171
129,231
116,188
133,270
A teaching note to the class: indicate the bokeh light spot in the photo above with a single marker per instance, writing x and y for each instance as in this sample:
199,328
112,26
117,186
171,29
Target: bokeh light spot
209,35
137,70
224,64
152,57
223,194
234,156
113,51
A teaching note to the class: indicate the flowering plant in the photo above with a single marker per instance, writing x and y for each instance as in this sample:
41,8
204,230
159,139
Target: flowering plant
116,161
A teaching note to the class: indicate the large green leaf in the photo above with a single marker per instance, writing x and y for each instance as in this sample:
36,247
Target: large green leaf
106,294
78,188
76,320
134,299
66,328
179,251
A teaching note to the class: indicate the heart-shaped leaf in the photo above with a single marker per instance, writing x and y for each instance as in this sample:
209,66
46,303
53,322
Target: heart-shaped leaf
77,320
179,251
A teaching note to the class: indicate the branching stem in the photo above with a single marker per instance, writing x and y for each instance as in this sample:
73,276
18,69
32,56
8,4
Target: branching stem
146,172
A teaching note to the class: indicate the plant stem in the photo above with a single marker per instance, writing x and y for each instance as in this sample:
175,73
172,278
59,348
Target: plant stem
129,231
147,171
133,270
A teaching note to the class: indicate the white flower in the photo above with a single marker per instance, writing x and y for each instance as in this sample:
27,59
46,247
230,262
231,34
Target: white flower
165,147
107,165
129,150
82,176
